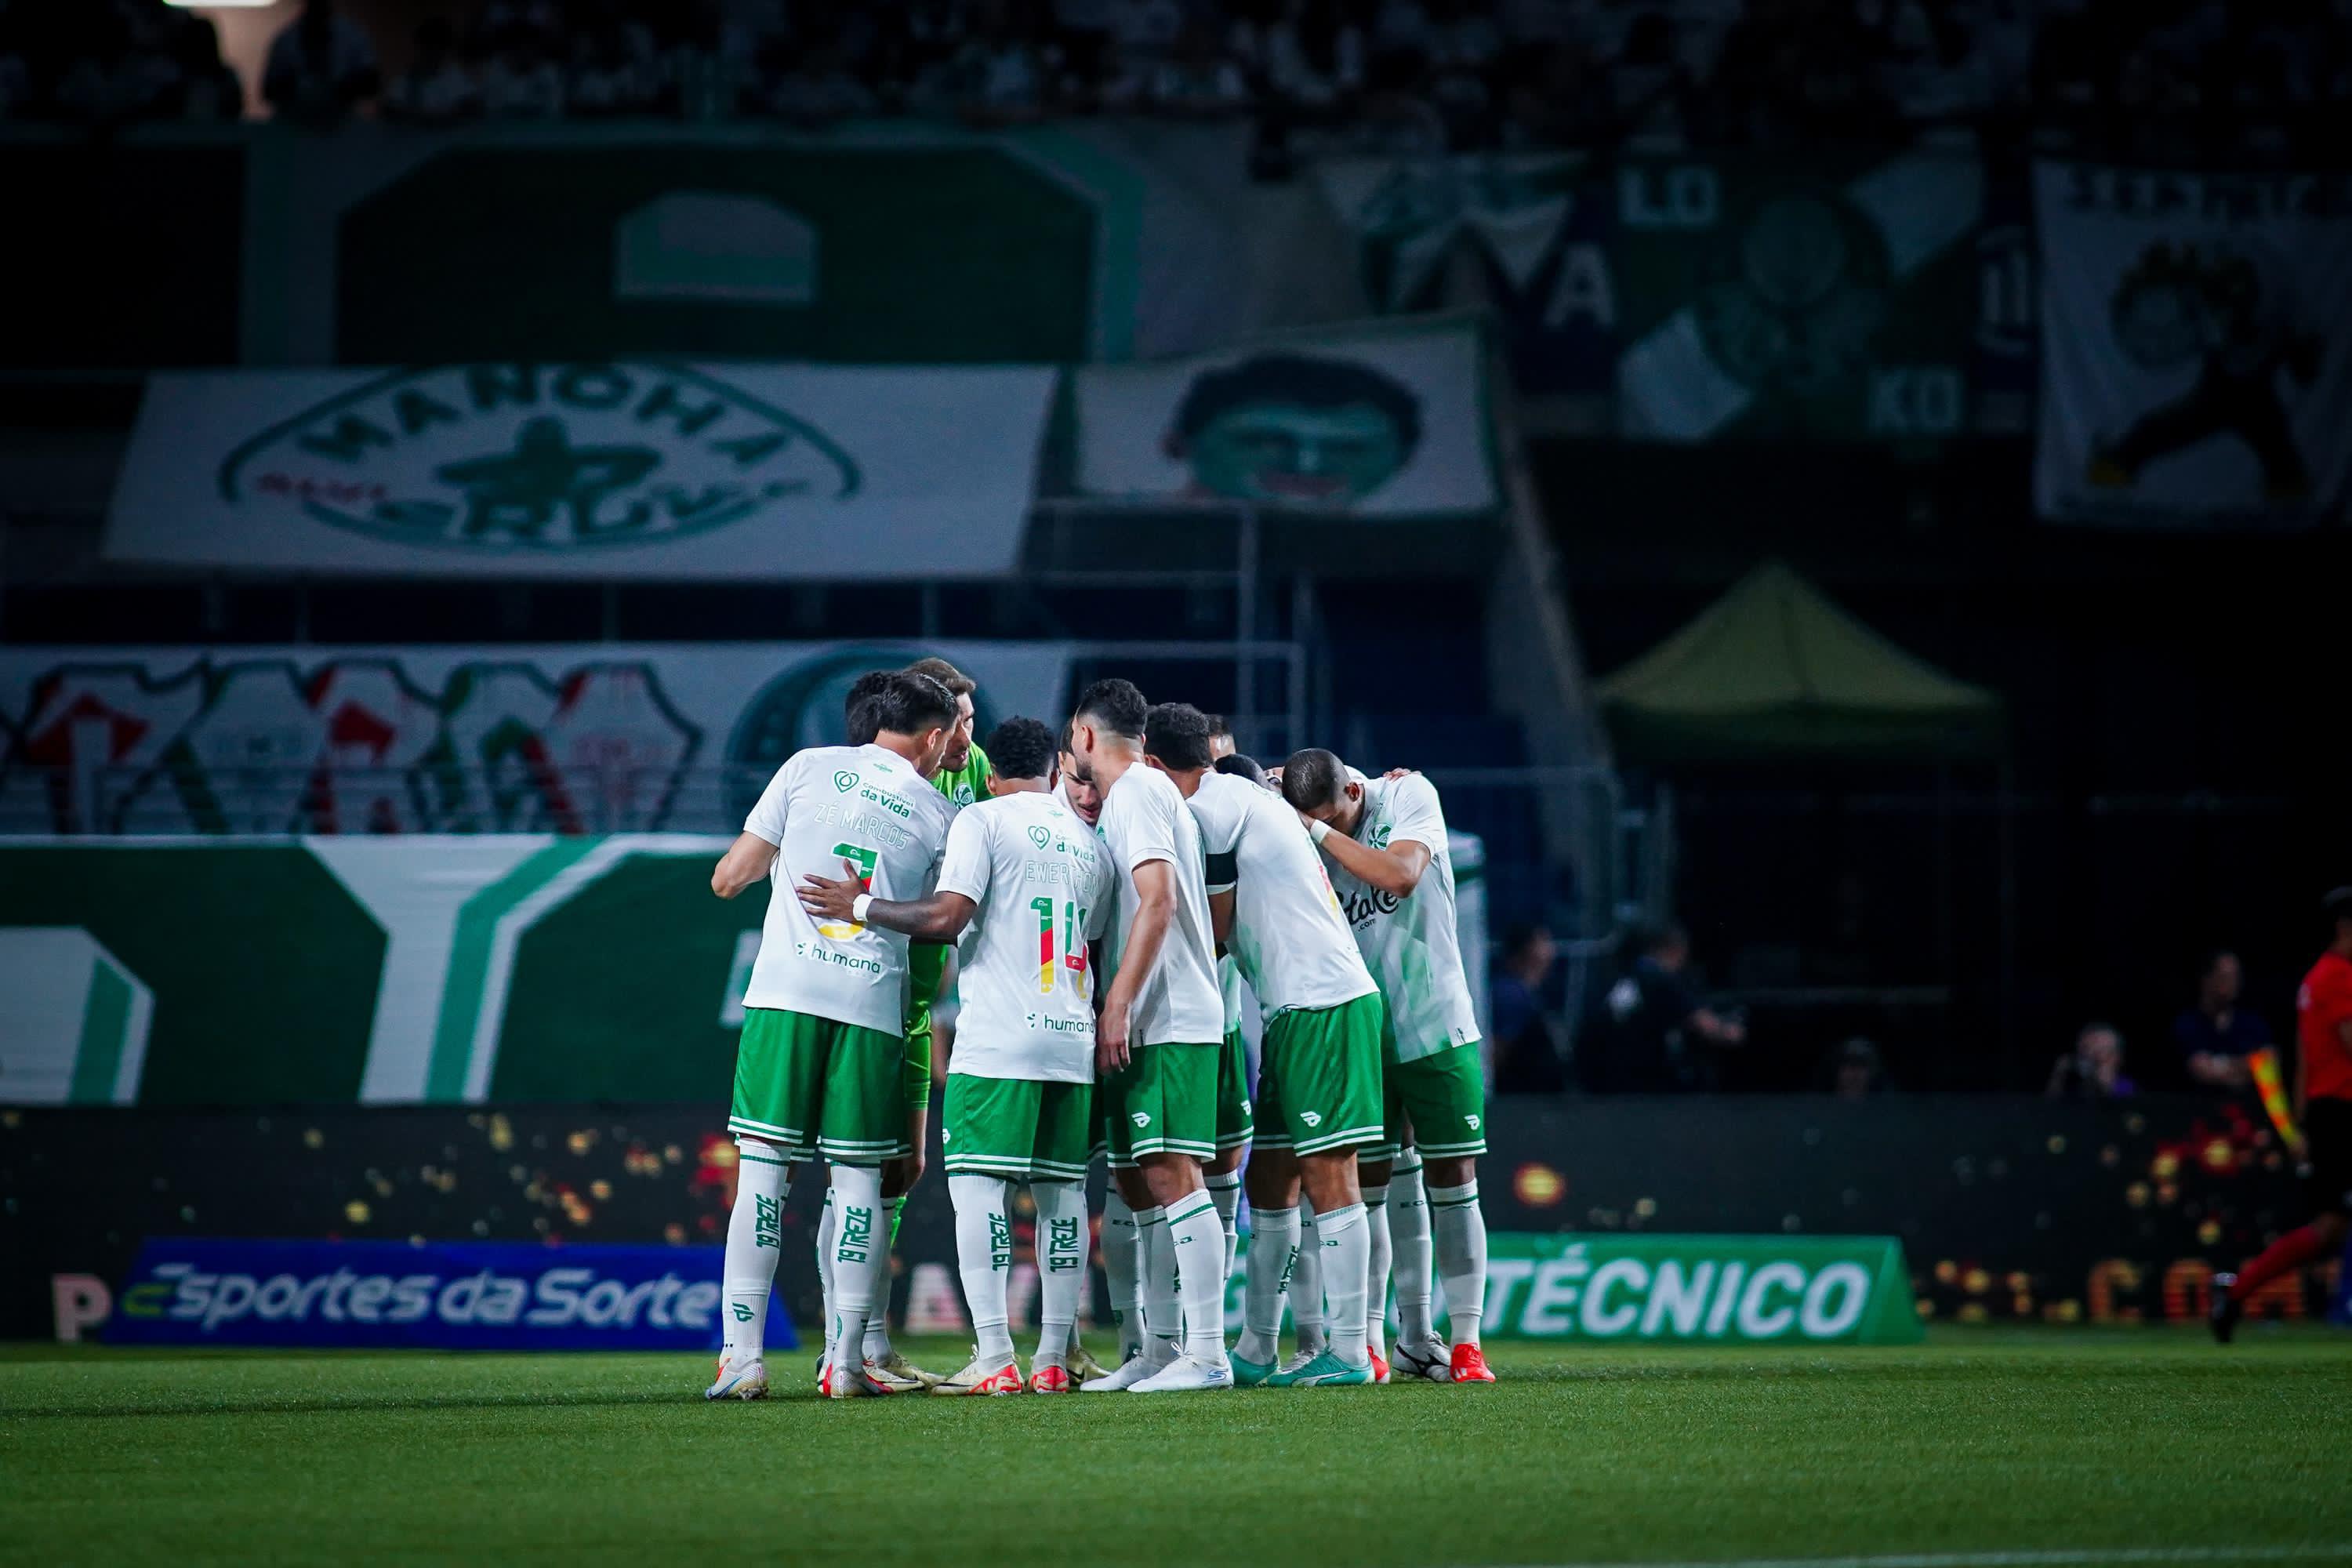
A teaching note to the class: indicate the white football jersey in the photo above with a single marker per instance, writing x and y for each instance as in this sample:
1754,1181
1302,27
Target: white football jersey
1410,943
826,804
1042,883
1288,936
1144,819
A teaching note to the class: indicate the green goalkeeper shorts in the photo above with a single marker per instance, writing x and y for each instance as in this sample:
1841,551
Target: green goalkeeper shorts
814,1086
1164,1102
1319,1089
1019,1129
927,968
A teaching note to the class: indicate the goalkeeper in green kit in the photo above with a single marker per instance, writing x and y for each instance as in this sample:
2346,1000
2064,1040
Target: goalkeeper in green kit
963,779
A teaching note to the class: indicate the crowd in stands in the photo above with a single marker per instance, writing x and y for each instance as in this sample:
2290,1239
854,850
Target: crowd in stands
2150,79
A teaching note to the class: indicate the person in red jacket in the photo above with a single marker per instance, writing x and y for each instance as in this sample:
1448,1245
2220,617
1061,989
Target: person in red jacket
2323,1107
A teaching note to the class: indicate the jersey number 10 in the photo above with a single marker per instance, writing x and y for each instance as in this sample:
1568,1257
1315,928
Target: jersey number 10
1073,944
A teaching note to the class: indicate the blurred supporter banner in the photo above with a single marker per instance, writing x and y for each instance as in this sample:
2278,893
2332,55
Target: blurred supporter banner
434,1296
1741,1289
1877,295
1834,298
643,467
1521,235
1389,422
565,738
2198,368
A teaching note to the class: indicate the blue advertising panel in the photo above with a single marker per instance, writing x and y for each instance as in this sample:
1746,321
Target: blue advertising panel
437,1295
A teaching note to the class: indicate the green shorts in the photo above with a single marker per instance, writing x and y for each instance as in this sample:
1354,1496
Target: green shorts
1235,1120
1320,1086
927,969
812,1086
1437,1102
1164,1102
1017,1128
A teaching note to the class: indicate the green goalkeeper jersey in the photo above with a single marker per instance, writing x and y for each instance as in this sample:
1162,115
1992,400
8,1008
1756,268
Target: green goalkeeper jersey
927,963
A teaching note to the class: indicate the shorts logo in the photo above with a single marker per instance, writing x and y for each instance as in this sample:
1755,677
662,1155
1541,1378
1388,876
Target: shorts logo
1312,1118
1472,1122
947,1135
1041,836
1140,1117
844,781
1246,1109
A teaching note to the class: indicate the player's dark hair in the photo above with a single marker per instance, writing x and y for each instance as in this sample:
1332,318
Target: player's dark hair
1021,749
1217,726
1313,778
1114,705
1305,381
958,683
911,704
1178,734
2338,903
2211,959
1245,767
859,713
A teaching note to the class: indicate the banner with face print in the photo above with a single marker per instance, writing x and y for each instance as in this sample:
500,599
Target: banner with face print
2197,367
1388,422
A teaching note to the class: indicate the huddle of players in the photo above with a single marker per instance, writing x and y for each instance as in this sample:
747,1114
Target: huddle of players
1129,845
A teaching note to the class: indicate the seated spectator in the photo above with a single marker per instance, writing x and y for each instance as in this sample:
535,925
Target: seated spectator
1198,77
1527,1049
1307,53
2217,1036
1651,1033
1855,1070
817,90
611,73
116,73
2094,1069
436,88
206,87
320,67
1144,31
521,80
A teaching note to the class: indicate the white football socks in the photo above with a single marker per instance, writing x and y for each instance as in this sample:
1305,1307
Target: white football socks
1225,1192
1273,1257
1163,1312
1307,1283
1061,1265
1198,1245
1346,1270
1122,1261
861,1254
1461,1257
1376,1279
825,1234
1409,1241
754,1239
877,1327
984,1258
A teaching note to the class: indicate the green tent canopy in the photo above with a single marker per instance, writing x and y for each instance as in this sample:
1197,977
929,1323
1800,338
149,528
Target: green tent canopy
1777,670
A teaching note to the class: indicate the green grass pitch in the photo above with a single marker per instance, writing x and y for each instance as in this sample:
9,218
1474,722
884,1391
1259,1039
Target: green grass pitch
1981,1447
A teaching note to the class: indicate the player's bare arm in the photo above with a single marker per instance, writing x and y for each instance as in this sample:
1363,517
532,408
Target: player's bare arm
1221,917
940,917
1155,907
748,860
1395,869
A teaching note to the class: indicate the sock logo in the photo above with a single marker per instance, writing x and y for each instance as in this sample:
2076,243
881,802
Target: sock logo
1289,1262
857,1233
743,1312
1064,1249
767,1222
1000,1242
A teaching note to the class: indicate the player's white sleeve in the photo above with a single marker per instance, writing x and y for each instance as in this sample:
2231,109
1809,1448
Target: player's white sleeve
964,869
1146,828
1414,814
767,817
